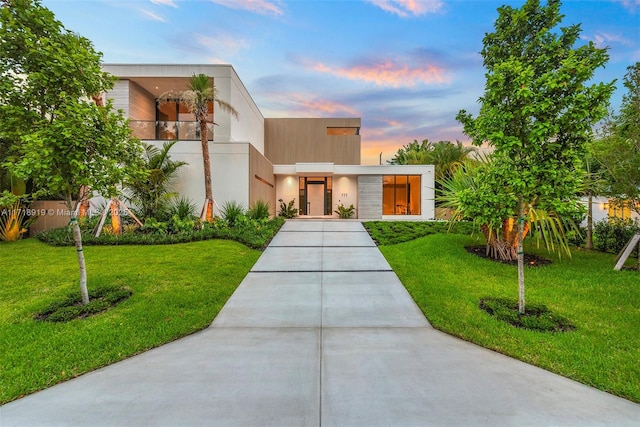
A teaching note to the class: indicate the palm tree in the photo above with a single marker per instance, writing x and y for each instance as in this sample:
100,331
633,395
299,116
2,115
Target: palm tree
201,91
445,155
152,194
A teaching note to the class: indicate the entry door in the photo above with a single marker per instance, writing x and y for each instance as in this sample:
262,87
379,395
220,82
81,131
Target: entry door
315,198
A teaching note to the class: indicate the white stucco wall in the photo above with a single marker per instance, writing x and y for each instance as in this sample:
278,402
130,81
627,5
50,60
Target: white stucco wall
345,191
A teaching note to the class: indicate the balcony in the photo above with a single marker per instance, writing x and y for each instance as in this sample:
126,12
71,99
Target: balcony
168,130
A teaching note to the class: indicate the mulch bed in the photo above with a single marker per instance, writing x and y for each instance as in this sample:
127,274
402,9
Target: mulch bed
529,259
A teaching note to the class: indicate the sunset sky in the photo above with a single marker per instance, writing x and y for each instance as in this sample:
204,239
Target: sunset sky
406,67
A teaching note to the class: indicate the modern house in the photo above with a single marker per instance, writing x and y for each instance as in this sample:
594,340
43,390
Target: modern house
315,161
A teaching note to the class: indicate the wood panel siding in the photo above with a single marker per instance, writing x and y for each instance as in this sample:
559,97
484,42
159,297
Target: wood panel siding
261,180
290,141
142,104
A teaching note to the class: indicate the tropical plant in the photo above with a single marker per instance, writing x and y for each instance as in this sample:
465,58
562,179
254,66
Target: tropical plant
287,210
15,221
445,155
152,194
537,112
345,212
183,208
60,138
201,92
259,211
232,211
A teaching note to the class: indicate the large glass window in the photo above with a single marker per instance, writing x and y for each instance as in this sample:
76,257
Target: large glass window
174,121
401,195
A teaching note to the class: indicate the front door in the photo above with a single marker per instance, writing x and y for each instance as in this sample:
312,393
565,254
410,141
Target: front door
315,198
315,195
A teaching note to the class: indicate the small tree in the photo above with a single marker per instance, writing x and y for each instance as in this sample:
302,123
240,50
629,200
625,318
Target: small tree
537,112
59,137
200,93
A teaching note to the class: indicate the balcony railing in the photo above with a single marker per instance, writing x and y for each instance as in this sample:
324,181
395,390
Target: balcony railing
152,130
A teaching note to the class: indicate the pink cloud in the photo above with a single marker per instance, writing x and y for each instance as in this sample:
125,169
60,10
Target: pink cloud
404,8
263,7
386,72
320,106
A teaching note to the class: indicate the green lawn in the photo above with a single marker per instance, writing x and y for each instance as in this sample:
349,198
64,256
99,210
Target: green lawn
178,289
447,282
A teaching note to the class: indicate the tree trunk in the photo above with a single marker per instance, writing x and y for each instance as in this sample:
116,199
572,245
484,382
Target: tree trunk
589,243
520,249
77,238
116,222
208,191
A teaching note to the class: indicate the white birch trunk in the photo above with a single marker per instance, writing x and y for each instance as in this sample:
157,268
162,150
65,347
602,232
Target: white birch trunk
521,300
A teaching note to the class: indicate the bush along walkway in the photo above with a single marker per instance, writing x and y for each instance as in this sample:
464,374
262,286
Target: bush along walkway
321,332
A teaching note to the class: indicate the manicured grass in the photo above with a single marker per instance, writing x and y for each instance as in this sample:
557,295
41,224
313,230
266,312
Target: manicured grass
447,283
177,290
393,232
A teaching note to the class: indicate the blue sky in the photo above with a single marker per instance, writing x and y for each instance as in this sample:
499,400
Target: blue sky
406,67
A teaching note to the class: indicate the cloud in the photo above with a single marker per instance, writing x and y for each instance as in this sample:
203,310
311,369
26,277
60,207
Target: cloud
602,39
630,5
399,72
262,7
165,3
151,15
404,8
304,105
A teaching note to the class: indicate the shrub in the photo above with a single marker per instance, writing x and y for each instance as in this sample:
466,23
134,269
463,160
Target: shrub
613,235
260,210
344,212
288,210
183,208
231,212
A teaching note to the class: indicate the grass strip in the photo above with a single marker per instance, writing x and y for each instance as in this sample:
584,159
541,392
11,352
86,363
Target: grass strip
447,283
177,290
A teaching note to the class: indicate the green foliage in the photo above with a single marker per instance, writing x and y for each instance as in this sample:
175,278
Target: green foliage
614,234
445,155
259,211
345,212
177,290
288,210
231,212
394,232
183,208
70,308
151,192
252,233
618,151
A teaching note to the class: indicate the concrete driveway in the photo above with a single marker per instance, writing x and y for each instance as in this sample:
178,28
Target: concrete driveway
320,333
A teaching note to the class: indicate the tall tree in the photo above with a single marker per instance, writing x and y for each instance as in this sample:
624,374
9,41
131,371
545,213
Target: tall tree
200,93
618,151
536,112
59,137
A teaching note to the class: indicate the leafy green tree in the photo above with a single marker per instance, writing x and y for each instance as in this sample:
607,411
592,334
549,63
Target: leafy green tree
200,93
60,138
618,151
153,193
536,112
